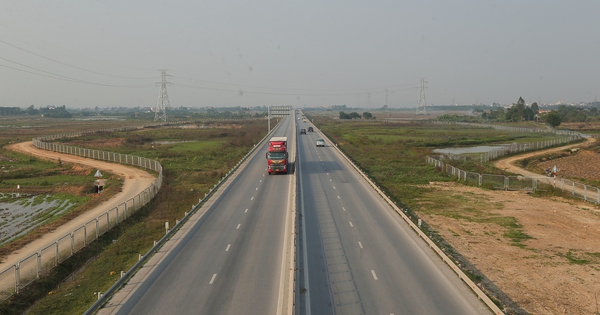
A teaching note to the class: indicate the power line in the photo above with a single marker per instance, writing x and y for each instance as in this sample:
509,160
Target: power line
298,92
69,65
353,90
65,78
74,53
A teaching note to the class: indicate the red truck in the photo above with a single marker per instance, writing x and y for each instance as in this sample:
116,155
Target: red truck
277,156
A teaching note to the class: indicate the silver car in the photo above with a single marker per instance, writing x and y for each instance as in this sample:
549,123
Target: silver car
320,143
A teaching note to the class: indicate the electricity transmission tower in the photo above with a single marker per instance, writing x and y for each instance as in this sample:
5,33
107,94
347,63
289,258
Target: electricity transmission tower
386,100
422,107
163,98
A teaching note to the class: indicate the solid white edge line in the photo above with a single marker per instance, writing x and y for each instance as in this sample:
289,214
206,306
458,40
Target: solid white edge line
304,250
281,308
212,279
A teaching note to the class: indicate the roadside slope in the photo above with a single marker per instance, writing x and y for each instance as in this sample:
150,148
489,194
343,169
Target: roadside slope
135,181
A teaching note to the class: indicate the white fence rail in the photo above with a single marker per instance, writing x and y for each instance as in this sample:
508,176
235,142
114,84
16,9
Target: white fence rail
17,276
579,190
522,147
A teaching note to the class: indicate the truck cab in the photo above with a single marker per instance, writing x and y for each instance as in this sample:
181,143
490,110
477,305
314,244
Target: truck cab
277,162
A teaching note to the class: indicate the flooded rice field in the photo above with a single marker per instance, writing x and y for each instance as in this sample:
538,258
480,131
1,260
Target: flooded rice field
19,214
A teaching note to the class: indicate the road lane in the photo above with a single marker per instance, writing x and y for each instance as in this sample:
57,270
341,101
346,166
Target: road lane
361,257
230,261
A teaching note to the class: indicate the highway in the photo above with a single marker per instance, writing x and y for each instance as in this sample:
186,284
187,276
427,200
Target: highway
357,256
231,260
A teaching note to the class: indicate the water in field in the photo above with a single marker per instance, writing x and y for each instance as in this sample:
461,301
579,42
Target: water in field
467,150
19,215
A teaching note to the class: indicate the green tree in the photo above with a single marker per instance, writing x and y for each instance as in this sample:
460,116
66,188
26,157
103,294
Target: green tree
553,119
535,108
344,115
528,114
354,115
32,111
367,115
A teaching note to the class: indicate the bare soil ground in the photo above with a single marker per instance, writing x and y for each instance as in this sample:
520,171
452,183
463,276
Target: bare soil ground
583,164
557,270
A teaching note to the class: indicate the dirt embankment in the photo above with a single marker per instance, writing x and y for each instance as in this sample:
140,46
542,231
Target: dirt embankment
556,270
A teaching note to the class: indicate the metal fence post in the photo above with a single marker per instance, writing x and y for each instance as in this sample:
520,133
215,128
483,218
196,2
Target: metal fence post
17,277
57,253
39,264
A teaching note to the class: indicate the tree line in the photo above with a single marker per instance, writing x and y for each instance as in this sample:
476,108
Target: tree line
521,112
355,115
50,111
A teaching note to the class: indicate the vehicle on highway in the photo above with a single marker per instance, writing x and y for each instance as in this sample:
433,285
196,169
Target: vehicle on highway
277,156
302,131
310,129
278,144
320,143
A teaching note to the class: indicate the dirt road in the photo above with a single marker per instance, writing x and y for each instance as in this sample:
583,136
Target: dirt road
135,181
507,164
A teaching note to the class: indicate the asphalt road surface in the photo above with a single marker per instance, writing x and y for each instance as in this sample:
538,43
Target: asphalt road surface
231,260
357,255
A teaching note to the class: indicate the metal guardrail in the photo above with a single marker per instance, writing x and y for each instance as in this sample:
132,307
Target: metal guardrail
480,294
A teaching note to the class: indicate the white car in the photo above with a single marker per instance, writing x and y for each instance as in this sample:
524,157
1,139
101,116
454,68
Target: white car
320,143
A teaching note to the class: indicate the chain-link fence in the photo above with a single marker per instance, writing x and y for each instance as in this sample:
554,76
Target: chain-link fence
585,192
16,277
510,148
522,147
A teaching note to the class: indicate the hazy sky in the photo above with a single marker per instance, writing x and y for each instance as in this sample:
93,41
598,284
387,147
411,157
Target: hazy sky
86,53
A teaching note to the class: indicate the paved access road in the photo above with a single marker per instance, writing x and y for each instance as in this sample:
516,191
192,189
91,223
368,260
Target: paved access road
232,260
357,256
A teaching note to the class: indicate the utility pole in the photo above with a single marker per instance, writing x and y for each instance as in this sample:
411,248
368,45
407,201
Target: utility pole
421,107
386,100
163,98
